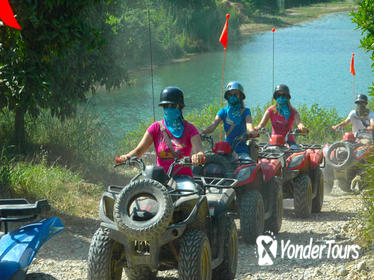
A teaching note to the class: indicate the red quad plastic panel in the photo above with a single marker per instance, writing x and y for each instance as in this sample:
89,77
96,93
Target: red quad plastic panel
348,136
302,165
221,148
270,168
252,177
315,157
277,140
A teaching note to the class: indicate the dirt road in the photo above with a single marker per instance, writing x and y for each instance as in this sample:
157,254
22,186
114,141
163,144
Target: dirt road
64,257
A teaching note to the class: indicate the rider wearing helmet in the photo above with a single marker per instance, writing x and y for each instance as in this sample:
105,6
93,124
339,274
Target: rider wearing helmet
236,118
282,115
172,136
361,118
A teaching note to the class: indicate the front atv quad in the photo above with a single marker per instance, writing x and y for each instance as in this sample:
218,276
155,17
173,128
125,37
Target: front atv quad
139,224
251,215
195,257
302,196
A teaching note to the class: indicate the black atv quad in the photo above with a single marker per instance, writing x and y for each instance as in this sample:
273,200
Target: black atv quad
160,223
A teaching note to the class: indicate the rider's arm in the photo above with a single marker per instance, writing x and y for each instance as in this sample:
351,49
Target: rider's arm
264,120
371,126
299,124
341,124
197,150
248,121
142,147
212,126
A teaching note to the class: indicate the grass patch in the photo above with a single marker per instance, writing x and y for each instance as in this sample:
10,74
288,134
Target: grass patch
66,191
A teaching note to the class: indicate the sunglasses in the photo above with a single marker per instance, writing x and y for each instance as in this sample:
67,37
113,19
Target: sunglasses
170,105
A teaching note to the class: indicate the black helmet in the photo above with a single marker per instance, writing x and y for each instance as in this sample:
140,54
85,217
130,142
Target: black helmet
171,95
281,87
361,98
234,85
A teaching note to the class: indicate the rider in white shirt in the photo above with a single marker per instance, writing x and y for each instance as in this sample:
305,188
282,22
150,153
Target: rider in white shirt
361,118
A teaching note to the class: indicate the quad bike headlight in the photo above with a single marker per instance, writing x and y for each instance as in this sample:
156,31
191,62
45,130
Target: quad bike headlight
245,173
296,161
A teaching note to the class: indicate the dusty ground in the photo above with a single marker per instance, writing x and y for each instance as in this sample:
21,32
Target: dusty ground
64,257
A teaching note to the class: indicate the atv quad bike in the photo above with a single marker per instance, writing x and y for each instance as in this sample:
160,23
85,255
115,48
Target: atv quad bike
301,177
344,162
162,222
259,197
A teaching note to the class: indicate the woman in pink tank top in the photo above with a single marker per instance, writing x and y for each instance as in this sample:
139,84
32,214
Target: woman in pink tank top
282,115
173,137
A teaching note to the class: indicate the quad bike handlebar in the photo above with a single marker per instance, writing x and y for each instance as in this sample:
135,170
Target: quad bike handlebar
185,161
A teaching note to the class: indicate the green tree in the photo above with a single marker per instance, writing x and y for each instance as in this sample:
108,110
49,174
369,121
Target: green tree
57,57
364,18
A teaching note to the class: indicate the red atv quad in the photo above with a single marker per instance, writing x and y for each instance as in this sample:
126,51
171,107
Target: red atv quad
259,197
344,161
301,175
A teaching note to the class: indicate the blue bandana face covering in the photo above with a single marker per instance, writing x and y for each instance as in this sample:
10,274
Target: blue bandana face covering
233,110
282,107
174,121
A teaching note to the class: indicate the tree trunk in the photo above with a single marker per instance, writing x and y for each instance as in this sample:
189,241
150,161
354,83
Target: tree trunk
19,120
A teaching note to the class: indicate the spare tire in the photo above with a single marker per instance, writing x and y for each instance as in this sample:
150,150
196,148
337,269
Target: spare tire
153,226
334,163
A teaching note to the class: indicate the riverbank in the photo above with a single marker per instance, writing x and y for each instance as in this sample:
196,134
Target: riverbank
265,22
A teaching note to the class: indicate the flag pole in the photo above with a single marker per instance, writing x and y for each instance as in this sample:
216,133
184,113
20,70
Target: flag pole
223,41
223,78
273,31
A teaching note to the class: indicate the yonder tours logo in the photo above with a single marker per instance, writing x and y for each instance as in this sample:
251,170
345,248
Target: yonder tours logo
267,248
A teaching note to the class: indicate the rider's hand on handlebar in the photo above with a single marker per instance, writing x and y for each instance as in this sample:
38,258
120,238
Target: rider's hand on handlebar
122,159
197,159
334,127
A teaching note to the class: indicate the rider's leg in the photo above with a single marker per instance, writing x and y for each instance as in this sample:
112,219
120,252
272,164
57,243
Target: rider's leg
244,156
293,145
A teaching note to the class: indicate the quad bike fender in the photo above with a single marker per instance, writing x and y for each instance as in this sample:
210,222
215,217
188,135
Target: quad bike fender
361,152
246,174
219,203
19,247
270,168
315,157
298,161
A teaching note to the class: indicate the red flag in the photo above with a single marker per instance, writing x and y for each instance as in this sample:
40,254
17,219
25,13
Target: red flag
6,14
353,65
223,38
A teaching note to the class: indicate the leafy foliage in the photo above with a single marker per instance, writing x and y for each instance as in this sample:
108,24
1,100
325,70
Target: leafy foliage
364,18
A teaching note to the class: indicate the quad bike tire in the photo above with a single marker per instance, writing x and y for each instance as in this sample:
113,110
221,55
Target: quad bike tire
318,182
195,257
251,215
328,180
357,183
274,223
143,230
228,171
103,256
302,192
335,146
344,185
227,269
